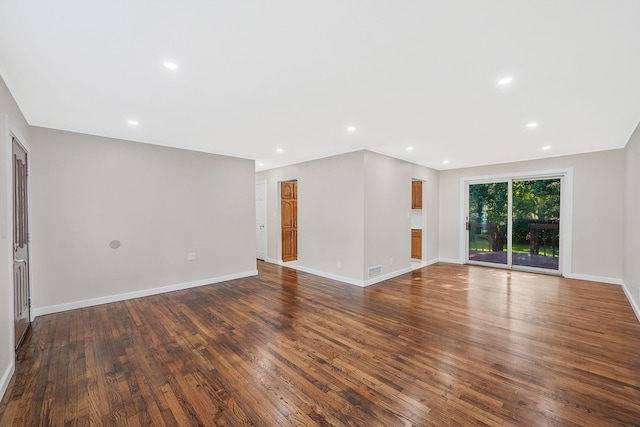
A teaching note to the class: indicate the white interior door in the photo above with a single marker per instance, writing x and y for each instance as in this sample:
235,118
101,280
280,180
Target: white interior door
261,220
21,288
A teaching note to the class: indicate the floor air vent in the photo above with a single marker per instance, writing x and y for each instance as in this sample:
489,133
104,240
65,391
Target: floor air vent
375,271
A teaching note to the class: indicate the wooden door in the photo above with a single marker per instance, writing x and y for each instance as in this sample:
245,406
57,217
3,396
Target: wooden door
289,220
416,244
416,195
21,289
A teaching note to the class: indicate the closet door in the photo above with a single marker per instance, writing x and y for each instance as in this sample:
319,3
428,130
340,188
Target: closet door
289,220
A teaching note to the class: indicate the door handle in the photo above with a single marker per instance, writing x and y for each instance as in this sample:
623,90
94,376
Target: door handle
17,261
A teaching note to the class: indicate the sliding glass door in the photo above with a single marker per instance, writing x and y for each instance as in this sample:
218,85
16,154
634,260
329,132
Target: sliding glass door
514,223
536,223
487,222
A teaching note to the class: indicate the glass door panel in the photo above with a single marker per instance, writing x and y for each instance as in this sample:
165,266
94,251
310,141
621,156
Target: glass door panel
487,222
536,223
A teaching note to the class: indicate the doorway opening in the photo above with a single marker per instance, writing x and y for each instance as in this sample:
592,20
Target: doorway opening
418,223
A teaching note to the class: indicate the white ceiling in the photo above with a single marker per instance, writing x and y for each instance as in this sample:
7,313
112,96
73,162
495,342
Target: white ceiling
255,76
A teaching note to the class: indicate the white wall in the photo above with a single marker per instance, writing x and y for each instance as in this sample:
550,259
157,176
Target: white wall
159,202
598,200
631,266
352,209
387,205
330,213
12,122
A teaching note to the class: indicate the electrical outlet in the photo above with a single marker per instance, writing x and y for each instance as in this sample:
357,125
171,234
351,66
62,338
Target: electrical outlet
191,256
390,261
339,264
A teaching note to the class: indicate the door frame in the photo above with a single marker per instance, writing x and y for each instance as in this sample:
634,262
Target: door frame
566,215
266,216
423,224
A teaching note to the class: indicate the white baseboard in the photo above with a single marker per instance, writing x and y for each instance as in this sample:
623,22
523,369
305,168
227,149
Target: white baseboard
609,280
6,378
387,276
450,260
41,311
431,262
271,261
331,276
634,306
351,281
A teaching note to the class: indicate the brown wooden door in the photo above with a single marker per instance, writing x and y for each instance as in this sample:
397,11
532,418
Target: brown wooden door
21,289
416,244
289,220
416,195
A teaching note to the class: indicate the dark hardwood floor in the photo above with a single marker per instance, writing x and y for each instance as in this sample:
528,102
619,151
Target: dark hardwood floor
444,345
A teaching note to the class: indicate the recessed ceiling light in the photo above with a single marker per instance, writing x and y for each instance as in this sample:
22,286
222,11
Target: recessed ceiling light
260,164
532,125
409,148
546,147
351,129
446,161
133,122
170,65
279,150
505,80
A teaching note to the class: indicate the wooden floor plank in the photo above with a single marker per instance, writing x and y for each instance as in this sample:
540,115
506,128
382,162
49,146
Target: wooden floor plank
443,345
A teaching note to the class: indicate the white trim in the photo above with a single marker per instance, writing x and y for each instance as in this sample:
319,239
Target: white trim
6,378
9,312
138,294
266,217
600,279
510,223
451,260
541,174
422,264
387,276
566,221
326,275
634,306
463,252
271,261
350,280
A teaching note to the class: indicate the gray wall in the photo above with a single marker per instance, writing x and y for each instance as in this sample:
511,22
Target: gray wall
330,213
387,197
11,122
352,209
598,200
631,266
159,202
